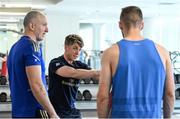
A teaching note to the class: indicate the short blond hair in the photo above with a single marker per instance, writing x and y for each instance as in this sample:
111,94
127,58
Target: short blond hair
72,39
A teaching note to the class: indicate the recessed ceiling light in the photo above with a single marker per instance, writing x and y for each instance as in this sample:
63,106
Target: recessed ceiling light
25,5
9,20
13,13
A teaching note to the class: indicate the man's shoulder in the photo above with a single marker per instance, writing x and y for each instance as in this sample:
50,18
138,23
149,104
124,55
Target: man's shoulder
111,53
162,51
161,48
112,50
57,59
24,44
21,46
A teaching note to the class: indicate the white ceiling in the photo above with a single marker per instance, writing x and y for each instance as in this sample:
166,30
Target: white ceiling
110,9
91,9
12,11
44,2
16,8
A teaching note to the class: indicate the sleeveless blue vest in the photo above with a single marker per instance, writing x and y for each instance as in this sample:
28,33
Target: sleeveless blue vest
138,83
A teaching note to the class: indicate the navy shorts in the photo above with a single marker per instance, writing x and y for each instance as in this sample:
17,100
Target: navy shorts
42,114
69,113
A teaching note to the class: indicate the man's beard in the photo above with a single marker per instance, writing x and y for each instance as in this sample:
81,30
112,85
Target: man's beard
39,39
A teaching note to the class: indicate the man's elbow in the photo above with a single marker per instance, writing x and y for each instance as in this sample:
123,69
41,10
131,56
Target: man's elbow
37,87
102,99
170,95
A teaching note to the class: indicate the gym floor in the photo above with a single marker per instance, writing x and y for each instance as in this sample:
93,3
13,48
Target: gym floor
89,110
85,114
88,114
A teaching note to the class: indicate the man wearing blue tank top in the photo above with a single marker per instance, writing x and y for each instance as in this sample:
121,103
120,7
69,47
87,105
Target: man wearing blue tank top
139,77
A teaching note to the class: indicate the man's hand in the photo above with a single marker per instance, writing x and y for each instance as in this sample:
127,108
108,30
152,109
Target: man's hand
96,74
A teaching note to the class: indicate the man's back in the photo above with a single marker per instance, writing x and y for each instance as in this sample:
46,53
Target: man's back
138,71
138,82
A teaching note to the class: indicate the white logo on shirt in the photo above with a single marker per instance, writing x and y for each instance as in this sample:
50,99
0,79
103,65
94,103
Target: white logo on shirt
36,58
136,43
57,64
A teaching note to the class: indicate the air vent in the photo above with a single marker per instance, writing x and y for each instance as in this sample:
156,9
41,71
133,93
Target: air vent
167,3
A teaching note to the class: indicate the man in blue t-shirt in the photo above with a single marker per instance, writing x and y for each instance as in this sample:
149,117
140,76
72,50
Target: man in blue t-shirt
64,77
137,74
26,71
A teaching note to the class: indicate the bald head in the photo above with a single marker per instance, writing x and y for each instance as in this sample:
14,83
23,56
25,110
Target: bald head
35,24
30,17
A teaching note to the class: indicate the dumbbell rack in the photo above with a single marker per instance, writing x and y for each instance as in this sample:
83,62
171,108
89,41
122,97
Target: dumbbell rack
175,59
90,104
177,85
5,106
92,58
82,105
177,96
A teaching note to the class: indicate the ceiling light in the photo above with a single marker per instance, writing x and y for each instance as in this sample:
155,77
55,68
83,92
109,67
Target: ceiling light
13,13
25,5
9,20
8,27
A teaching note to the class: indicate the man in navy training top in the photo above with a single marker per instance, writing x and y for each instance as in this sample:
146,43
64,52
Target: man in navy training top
65,73
27,71
136,74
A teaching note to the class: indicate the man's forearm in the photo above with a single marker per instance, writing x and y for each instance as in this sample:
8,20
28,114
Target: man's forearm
103,108
41,96
83,73
168,107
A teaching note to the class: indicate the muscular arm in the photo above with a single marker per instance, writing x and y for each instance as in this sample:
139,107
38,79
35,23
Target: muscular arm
38,89
67,71
104,87
169,96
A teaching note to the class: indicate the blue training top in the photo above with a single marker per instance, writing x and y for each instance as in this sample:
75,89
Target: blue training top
23,53
138,84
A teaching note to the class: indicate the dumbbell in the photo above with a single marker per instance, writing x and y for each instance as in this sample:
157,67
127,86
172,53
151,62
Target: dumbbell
177,78
3,97
79,96
87,95
82,81
2,55
95,81
177,93
87,81
3,80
